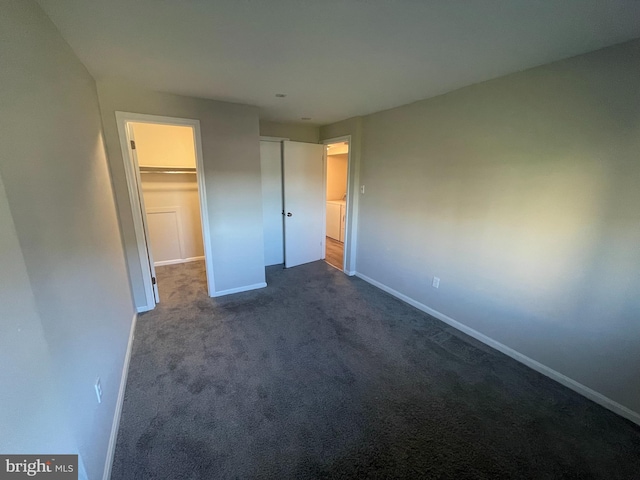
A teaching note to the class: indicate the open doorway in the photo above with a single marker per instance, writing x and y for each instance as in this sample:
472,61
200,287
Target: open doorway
309,209
337,168
163,160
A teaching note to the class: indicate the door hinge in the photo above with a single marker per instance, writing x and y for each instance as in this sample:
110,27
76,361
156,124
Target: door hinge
133,145
153,280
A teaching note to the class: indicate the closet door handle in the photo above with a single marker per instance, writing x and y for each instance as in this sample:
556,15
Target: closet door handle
289,214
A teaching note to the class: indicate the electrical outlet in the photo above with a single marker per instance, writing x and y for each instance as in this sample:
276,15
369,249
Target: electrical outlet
436,282
98,387
362,189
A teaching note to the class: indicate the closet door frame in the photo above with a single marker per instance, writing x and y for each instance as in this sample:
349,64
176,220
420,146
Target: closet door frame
268,217
133,184
351,204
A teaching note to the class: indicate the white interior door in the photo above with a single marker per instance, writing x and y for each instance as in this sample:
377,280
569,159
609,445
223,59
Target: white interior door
152,268
304,202
271,171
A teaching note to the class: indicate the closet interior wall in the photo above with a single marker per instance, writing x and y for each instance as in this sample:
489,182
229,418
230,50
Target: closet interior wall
166,157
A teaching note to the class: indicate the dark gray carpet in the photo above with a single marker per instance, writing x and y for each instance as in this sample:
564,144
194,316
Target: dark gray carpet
323,376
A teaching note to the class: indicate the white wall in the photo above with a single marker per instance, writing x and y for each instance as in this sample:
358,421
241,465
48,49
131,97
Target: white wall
337,176
31,413
170,146
164,145
58,188
522,194
162,191
296,132
230,143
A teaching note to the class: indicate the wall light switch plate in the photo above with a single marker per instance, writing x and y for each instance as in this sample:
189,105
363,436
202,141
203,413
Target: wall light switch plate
362,189
436,282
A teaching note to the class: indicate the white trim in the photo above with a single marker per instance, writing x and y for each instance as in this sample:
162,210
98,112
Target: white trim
136,211
111,449
143,309
122,118
204,209
583,390
246,288
349,244
177,261
145,224
323,242
156,119
82,470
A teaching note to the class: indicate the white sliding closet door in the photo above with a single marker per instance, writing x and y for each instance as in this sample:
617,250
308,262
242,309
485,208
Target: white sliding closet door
271,170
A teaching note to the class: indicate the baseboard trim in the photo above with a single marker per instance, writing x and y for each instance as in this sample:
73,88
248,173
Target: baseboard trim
111,449
176,261
246,288
351,273
583,390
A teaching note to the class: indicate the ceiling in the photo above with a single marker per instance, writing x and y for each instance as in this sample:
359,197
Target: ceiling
333,59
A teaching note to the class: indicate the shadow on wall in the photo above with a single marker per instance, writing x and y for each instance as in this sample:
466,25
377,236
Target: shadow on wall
521,195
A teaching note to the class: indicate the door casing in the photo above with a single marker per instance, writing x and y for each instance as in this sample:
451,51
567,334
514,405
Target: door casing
132,173
350,207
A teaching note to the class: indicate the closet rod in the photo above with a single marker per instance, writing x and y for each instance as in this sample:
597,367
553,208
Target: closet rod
167,170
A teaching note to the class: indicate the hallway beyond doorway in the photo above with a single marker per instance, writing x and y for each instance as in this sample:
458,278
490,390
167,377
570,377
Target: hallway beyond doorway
334,253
